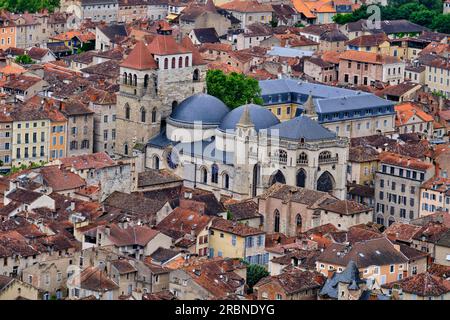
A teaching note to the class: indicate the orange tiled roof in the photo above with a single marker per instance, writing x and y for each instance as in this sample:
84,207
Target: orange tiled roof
398,160
369,57
139,58
246,6
12,69
406,110
166,45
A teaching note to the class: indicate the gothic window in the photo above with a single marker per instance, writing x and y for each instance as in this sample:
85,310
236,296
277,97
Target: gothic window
127,111
180,62
73,145
215,173
204,175
324,155
173,63
135,80
325,182
301,178
276,223
391,221
196,75
186,62
85,144
130,79
226,181
143,114
154,115
302,158
125,78
282,156
380,219
166,63
125,147
256,179
146,81
277,177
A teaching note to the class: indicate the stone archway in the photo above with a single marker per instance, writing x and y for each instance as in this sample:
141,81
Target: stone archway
301,178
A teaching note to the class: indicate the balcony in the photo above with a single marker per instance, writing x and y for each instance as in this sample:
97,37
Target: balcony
328,160
302,161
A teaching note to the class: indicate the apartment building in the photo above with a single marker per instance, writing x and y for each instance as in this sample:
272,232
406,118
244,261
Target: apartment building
437,76
397,188
434,196
6,122
365,68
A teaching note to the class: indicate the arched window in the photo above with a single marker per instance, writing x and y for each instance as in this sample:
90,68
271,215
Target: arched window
325,182
143,114
146,78
154,115
298,222
135,80
226,181
391,220
276,222
278,176
166,63
215,173
380,219
302,158
301,178
173,63
127,111
125,147
256,179
130,79
125,78
204,175
180,62
282,155
324,155
156,162
186,62
196,75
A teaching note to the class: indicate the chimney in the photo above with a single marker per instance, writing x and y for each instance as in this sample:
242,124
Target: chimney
330,273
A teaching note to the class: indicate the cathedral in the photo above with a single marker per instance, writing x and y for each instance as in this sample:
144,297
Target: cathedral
155,77
240,153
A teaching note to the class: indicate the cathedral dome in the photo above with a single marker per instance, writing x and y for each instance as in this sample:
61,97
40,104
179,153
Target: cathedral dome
200,107
261,118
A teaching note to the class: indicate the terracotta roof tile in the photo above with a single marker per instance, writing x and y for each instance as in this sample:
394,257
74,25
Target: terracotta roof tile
139,58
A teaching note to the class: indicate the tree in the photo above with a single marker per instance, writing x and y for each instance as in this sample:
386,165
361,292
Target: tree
274,22
24,59
441,23
255,272
234,89
423,17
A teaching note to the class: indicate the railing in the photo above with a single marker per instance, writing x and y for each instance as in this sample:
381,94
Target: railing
328,160
302,161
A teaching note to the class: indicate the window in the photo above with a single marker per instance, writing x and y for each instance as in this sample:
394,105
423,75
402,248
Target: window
278,296
391,268
215,173
277,221
105,135
143,114
233,240
154,115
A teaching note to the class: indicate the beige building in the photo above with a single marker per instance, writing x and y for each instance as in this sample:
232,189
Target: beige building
249,12
6,130
13,289
362,165
437,76
434,196
343,213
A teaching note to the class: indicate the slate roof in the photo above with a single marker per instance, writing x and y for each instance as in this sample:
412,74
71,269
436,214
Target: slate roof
112,31
303,127
206,35
162,255
354,102
349,276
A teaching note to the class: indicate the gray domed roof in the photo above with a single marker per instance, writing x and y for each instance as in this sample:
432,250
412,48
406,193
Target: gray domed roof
262,118
200,107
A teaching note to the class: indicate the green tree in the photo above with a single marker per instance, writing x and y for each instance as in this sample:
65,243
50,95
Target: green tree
423,17
441,23
274,22
255,272
234,89
24,59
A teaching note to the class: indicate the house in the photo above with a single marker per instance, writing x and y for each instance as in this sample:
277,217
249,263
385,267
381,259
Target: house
153,180
376,43
378,260
411,118
14,289
428,236
423,286
437,75
188,225
108,36
249,12
245,212
92,281
205,279
434,196
230,239
285,14
442,253
320,70
41,55
317,12
398,181
345,285
24,87
204,35
402,92
28,199
344,213
291,285
362,164
392,28
366,68
99,10
61,181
